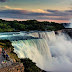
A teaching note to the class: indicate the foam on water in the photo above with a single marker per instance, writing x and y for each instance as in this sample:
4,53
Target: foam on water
51,52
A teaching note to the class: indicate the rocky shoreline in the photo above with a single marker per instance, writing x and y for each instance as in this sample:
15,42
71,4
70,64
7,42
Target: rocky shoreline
14,64
15,67
10,65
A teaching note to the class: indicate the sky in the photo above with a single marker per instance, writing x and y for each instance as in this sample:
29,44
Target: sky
43,10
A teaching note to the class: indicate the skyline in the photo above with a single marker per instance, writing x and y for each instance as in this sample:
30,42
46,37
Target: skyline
42,10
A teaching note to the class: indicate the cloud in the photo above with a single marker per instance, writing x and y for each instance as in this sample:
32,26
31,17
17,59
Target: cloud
39,11
70,7
9,8
4,7
3,0
17,13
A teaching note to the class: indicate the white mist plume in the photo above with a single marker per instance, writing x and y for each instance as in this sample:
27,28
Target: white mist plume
69,25
51,53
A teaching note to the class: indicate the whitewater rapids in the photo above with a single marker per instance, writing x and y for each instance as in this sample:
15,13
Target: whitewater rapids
50,52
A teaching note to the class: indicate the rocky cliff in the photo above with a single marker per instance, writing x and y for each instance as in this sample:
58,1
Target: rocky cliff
15,67
67,31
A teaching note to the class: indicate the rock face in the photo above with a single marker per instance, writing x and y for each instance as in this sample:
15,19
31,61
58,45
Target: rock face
10,65
67,31
30,66
16,67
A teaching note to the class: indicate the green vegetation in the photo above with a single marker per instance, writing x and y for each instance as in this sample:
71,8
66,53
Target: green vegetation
6,44
13,56
9,26
30,66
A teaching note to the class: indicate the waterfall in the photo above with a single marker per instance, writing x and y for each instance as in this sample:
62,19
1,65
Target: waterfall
50,52
36,49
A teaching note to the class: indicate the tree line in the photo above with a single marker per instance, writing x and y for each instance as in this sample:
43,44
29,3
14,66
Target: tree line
9,26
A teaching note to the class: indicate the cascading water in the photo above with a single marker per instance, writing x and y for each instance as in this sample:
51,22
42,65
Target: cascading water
50,52
37,50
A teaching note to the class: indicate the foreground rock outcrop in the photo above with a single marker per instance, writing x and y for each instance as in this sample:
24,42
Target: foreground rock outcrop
16,64
15,67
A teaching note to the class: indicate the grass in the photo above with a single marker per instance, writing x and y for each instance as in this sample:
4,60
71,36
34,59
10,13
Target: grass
2,44
14,56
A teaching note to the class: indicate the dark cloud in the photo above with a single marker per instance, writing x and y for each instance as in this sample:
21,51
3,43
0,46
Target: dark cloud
53,11
70,11
24,14
3,0
14,11
60,13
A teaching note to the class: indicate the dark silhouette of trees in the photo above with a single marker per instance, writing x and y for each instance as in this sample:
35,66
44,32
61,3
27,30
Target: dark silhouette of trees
9,26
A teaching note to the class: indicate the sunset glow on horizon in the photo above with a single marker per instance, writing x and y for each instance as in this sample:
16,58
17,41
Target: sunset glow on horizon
43,10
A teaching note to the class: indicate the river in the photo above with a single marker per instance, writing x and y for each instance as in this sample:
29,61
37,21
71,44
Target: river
49,51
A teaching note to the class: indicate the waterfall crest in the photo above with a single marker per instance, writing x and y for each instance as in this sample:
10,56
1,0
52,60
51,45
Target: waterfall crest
50,52
36,49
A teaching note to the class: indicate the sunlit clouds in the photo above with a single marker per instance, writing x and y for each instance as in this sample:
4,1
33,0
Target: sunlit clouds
48,10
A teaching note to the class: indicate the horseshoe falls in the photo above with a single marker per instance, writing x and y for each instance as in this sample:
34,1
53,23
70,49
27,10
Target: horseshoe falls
49,51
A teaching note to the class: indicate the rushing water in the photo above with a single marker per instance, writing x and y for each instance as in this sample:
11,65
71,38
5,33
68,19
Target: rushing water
50,52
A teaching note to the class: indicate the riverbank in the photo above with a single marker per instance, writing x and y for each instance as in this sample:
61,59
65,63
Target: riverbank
9,65
14,64
9,62
15,67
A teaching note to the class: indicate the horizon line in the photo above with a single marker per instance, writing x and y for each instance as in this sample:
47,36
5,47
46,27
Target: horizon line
11,19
